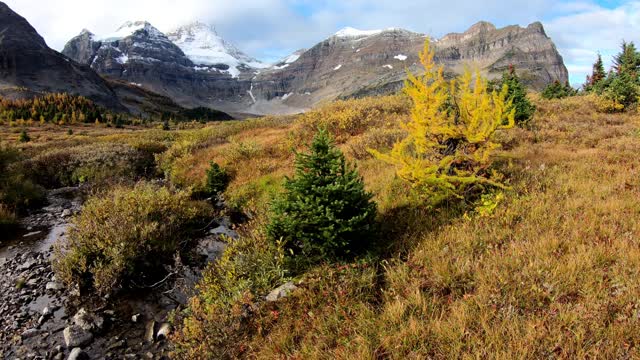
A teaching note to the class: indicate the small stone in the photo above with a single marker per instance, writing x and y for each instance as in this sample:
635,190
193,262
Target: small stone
30,333
54,286
66,213
281,292
75,336
148,355
163,331
135,318
117,345
77,354
88,321
47,311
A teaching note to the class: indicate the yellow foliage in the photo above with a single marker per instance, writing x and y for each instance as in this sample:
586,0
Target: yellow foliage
451,131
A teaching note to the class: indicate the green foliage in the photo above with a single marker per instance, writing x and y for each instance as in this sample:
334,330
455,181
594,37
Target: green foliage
325,211
205,114
517,95
557,90
124,234
452,133
628,60
620,90
165,126
17,191
24,137
217,180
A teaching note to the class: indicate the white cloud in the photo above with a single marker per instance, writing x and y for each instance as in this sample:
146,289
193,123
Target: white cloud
591,29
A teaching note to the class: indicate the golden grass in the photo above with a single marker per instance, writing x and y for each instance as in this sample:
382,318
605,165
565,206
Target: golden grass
552,273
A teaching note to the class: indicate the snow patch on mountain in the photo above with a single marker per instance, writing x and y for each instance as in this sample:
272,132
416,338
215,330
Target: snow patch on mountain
400,57
203,46
350,32
129,28
337,67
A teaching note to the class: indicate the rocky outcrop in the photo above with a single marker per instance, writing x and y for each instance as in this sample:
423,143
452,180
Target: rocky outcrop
28,67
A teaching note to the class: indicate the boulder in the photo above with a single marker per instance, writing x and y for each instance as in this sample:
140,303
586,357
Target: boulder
75,336
281,292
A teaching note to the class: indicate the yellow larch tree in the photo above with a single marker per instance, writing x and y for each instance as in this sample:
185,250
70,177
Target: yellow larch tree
451,134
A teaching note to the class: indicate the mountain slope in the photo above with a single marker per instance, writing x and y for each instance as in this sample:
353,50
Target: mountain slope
356,63
29,67
194,66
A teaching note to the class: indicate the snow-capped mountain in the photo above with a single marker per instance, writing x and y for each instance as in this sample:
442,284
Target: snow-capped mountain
206,48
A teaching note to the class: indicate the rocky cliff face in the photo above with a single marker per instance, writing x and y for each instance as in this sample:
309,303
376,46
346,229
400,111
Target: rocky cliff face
360,63
140,54
195,67
29,67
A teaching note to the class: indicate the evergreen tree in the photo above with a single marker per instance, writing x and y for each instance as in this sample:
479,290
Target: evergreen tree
24,137
517,94
557,90
217,180
627,61
325,211
598,72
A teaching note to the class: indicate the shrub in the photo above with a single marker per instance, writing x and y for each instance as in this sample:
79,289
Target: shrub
124,234
451,133
557,90
217,180
24,137
325,211
218,323
517,95
17,191
92,163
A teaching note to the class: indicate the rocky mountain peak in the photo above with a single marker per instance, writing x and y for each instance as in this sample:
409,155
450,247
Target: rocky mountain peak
480,26
205,48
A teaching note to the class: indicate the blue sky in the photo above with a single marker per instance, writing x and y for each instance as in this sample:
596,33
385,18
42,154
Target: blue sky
271,29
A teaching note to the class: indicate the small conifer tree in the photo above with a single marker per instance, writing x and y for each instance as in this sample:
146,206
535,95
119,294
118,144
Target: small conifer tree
597,75
451,134
517,94
24,137
217,180
557,90
325,211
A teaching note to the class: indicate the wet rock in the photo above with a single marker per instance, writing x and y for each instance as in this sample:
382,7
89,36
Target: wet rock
225,231
75,336
54,286
27,334
163,331
281,292
150,331
66,213
47,311
27,265
33,233
88,321
117,345
78,354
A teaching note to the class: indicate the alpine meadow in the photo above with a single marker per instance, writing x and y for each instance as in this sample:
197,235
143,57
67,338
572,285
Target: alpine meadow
383,194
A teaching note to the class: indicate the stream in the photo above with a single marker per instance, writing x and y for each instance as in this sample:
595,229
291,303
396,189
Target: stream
43,320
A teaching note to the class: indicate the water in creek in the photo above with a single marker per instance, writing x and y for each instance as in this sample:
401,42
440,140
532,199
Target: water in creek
29,289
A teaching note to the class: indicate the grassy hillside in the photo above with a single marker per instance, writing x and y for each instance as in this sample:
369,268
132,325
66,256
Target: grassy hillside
550,272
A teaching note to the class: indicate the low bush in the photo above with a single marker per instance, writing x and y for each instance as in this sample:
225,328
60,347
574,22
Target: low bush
93,163
17,191
219,322
347,118
124,234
